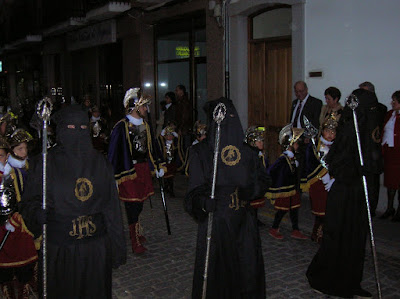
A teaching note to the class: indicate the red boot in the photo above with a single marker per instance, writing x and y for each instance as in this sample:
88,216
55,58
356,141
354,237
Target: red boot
137,246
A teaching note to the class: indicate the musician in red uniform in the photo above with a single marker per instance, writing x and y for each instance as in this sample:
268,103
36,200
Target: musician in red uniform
316,179
18,255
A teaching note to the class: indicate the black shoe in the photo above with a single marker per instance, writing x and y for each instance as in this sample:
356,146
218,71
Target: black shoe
361,294
388,213
260,223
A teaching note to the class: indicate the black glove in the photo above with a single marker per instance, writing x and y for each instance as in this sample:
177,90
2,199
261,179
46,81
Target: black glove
208,204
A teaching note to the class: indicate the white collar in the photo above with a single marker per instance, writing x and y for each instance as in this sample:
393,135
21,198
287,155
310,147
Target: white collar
195,142
288,153
14,162
168,105
324,141
134,120
93,119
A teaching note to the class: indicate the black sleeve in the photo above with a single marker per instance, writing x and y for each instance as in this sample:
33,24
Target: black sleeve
199,188
30,206
113,219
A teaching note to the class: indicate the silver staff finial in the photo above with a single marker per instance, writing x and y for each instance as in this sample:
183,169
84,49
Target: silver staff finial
352,101
44,108
310,131
219,113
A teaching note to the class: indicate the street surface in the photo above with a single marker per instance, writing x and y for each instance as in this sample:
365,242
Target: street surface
166,269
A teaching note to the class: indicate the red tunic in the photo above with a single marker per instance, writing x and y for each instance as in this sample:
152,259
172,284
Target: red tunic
140,188
287,203
318,198
19,249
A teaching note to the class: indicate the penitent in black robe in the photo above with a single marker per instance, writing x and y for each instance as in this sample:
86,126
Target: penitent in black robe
337,268
84,224
236,267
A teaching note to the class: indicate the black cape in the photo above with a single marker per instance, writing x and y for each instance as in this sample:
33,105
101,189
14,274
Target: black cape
84,224
236,267
337,267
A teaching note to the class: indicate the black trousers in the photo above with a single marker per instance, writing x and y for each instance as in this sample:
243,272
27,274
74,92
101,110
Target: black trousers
23,274
294,218
133,210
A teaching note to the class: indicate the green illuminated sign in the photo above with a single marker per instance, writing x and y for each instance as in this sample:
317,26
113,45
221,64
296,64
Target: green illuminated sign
184,52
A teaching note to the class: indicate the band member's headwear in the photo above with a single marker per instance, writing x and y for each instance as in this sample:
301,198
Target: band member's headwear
289,135
19,136
133,99
11,119
199,129
331,122
254,134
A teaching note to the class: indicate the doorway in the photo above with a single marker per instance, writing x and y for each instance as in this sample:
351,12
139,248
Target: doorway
270,80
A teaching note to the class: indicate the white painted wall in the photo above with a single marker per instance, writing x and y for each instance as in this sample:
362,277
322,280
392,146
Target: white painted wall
352,42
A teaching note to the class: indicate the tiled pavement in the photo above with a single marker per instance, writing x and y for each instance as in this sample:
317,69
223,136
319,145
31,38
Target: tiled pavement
166,269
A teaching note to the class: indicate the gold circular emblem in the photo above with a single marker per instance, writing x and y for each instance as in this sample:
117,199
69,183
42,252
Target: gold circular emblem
376,135
83,189
230,155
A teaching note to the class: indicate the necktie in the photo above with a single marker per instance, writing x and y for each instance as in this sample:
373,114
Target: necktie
296,118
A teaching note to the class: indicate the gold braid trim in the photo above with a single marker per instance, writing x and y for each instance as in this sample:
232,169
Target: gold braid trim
318,213
136,199
20,263
313,177
38,242
14,177
287,209
160,165
19,222
125,178
270,195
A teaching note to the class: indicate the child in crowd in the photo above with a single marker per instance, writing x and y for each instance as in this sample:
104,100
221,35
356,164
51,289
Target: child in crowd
170,144
283,192
18,256
255,139
200,132
316,179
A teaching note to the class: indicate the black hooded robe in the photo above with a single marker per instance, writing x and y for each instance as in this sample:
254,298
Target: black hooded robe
337,268
236,267
84,224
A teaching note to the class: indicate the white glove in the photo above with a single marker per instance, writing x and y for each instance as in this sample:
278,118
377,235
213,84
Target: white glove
326,178
328,182
329,185
160,173
297,163
10,227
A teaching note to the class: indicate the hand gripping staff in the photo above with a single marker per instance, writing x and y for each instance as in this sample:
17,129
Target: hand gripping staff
312,133
352,101
43,110
218,116
160,179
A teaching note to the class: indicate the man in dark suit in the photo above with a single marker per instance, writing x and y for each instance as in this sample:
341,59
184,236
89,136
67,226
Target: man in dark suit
304,104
